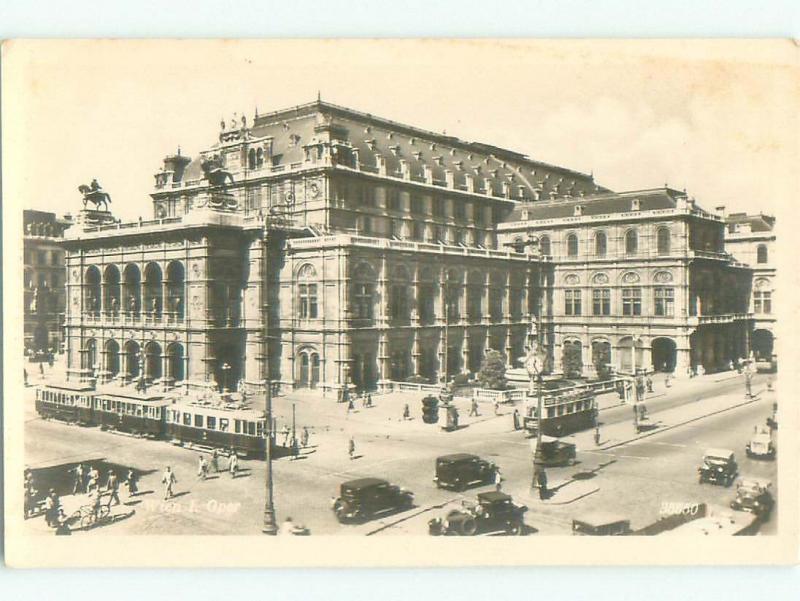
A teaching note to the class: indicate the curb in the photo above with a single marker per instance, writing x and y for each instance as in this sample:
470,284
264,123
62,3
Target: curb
678,425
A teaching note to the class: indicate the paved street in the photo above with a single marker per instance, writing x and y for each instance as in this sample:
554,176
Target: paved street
631,478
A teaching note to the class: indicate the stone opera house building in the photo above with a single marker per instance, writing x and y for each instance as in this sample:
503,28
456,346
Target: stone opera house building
327,246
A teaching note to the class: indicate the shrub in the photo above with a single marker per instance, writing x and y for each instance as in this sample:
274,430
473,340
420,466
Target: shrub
492,374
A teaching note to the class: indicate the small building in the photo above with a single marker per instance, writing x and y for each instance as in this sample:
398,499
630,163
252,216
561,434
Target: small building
43,286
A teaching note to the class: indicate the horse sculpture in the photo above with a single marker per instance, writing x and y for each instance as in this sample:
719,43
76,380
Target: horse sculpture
214,172
95,194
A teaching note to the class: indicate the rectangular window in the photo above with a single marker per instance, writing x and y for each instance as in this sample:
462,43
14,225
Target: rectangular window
41,259
198,421
459,211
417,230
392,199
478,212
308,301
223,424
366,225
572,302
397,229
631,301
664,302
212,422
237,426
762,302
416,205
368,196
601,301
437,206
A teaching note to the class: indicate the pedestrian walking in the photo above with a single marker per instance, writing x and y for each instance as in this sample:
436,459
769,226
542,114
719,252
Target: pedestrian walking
351,448
25,375
41,368
649,382
133,488
498,479
214,463
51,507
233,464
473,410
77,484
112,486
542,481
406,412
202,468
295,446
93,479
497,407
304,437
350,405
169,481
515,417
597,436
286,433
748,383
369,400
363,401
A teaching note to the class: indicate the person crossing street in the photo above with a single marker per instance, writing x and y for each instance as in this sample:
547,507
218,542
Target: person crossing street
169,481
112,486
233,465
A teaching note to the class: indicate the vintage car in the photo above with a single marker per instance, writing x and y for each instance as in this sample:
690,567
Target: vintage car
754,495
761,445
600,523
556,452
366,498
492,513
462,470
719,467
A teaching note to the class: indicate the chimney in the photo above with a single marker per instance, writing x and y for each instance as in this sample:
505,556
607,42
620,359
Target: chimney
720,211
636,204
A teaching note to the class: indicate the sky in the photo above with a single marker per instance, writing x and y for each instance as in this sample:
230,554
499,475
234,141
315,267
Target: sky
717,118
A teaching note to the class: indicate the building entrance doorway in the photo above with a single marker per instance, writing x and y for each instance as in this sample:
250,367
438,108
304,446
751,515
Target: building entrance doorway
665,352
762,342
308,371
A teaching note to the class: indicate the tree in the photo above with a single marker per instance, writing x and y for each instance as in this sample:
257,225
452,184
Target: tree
601,357
492,374
572,359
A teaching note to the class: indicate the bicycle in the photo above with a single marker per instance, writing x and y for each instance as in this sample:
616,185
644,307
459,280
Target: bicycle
88,516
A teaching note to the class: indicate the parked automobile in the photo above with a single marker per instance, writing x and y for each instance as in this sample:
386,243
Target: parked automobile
761,445
462,470
754,495
366,498
601,523
719,467
492,513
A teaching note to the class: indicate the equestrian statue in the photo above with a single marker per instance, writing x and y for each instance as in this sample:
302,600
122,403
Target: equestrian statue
95,194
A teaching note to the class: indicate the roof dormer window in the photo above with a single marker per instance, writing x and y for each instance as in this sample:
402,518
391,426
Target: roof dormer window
636,204
578,210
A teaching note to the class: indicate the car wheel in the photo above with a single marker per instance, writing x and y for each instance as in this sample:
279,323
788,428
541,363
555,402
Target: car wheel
469,527
514,529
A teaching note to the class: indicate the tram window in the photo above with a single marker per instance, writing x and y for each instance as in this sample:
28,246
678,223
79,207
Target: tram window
212,422
551,412
174,417
223,424
260,428
187,419
251,428
237,426
561,409
198,421
138,410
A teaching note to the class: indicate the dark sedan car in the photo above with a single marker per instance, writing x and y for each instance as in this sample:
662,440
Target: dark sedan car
719,467
754,495
366,498
493,513
462,470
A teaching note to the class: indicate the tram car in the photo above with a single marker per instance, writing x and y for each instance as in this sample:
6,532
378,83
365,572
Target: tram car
224,425
142,417
565,412
68,404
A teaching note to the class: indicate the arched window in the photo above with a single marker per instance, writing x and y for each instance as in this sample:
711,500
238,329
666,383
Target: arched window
175,295
475,297
363,292
762,255
132,279
631,242
307,292
426,293
175,362
259,158
453,296
153,290
111,290
600,244
112,358
497,287
572,245
544,245
663,241
251,159
91,290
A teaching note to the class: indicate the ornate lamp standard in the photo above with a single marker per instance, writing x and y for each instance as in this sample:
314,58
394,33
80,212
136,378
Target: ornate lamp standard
274,221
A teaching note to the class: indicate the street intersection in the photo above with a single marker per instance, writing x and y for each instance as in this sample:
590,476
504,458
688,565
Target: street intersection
633,475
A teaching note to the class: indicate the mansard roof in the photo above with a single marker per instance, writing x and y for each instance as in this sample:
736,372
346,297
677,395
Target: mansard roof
374,137
758,222
608,203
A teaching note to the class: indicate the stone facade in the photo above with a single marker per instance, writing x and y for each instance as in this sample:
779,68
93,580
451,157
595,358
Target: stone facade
643,270
44,280
751,239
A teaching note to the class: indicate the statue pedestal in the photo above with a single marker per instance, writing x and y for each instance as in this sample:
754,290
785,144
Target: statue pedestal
93,218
